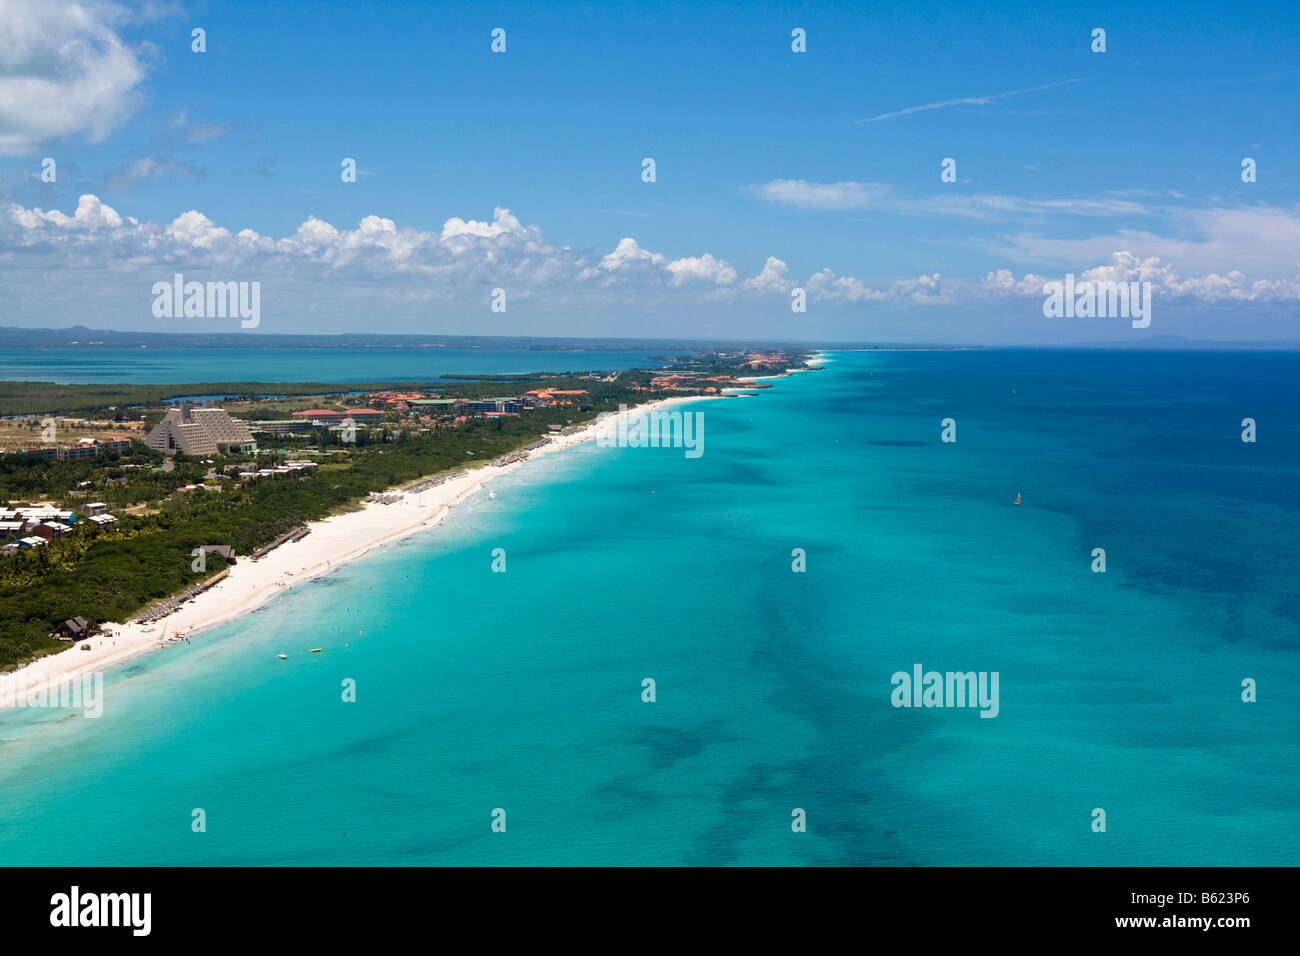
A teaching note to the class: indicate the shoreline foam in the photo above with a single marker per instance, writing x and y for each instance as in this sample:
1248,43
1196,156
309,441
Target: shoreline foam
334,541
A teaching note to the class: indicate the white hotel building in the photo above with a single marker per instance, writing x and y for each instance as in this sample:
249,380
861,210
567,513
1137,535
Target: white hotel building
200,431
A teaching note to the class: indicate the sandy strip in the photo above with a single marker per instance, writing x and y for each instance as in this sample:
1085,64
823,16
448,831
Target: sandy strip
333,541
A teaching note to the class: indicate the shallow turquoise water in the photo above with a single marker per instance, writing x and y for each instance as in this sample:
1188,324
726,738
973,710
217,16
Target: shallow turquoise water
478,690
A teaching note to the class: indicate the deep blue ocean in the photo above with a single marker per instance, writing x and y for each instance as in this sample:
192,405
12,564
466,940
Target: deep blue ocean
522,690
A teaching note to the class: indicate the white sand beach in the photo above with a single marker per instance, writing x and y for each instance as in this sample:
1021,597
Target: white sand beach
249,584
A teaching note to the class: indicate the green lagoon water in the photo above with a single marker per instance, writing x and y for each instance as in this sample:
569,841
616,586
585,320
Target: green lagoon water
479,690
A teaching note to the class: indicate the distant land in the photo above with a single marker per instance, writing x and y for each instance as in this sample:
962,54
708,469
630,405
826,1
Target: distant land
79,336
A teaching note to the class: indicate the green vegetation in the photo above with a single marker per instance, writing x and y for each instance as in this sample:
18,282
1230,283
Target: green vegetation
109,574
47,398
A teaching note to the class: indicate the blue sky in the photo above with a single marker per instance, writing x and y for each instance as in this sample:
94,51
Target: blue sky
1065,158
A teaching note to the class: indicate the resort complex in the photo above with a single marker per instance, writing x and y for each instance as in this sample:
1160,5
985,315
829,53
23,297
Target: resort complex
200,431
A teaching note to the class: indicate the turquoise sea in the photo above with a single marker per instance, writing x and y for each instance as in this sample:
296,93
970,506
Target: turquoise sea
522,690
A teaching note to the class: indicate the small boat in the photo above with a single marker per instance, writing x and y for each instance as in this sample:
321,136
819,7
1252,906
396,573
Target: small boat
1017,497
491,494
315,650
282,656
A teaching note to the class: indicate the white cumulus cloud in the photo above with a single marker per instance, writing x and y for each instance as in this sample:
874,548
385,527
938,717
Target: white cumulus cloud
98,254
64,71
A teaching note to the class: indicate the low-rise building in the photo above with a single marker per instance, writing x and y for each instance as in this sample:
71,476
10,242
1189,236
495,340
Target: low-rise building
481,406
83,450
444,405
223,551
35,514
76,453
51,530
319,415
73,629
282,426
